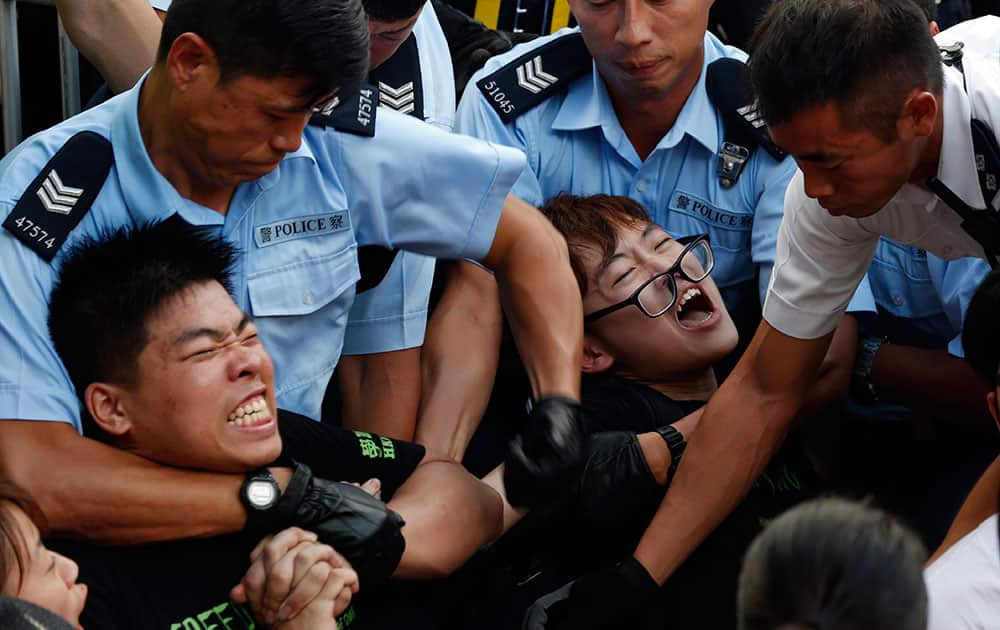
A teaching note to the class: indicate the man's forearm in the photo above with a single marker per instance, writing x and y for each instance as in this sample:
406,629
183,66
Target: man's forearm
935,381
92,491
542,304
118,36
459,361
739,431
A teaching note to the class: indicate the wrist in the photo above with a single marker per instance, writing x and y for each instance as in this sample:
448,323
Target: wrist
676,444
862,384
282,475
657,455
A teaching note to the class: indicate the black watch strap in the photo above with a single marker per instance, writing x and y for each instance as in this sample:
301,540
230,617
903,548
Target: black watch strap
675,444
261,509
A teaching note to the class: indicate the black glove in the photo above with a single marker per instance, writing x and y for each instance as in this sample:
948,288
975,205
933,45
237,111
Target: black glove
357,525
603,599
545,460
617,488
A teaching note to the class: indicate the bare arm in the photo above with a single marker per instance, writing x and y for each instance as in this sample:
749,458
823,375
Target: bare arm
934,381
381,392
449,514
741,427
540,298
978,506
118,36
459,361
833,380
95,492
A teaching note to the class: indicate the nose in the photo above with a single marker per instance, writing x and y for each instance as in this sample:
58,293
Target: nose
245,361
67,569
633,24
817,183
287,136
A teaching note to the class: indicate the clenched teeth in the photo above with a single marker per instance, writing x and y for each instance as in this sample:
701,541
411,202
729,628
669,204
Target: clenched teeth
250,413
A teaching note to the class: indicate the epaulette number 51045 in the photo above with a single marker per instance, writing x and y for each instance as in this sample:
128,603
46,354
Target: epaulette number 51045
28,226
501,99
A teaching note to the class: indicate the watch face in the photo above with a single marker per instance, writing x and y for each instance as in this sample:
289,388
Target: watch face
261,494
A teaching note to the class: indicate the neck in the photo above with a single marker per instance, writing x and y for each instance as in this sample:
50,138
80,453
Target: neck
170,150
646,118
696,387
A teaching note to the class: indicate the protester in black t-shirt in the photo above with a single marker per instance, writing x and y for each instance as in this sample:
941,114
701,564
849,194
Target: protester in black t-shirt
655,325
184,381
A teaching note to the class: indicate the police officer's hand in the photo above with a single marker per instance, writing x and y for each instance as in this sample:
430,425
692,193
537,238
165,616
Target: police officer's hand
617,486
545,460
353,522
600,600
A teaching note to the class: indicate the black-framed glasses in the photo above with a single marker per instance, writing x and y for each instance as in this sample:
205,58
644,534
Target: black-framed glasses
694,263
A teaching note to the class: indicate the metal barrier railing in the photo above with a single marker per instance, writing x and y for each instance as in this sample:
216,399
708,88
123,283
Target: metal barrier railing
10,73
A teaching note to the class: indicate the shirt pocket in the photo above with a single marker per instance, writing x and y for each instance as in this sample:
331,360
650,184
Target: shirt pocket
303,287
901,281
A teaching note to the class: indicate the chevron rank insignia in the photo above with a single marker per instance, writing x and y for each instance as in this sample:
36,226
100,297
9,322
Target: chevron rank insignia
354,115
531,78
399,80
61,194
399,99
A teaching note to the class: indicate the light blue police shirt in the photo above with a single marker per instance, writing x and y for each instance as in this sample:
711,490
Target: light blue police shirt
923,299
393,315
299,227
575,143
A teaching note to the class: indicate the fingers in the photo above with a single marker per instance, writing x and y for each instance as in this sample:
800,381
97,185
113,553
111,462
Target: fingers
373,487
298,578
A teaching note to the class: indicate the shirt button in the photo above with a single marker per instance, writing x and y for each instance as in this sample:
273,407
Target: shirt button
640,185
897,300
307,298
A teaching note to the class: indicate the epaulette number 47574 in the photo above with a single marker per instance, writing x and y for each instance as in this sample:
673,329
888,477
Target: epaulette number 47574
35,232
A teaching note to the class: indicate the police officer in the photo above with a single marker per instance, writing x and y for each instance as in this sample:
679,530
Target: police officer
214,134
637,101
874,127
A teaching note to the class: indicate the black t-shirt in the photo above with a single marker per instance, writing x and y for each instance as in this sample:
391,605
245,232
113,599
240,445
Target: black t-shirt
702,592
184,585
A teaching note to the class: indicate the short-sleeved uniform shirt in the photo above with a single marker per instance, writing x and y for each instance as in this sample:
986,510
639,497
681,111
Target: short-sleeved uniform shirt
921,298
393,315
575,143
299,227
821,258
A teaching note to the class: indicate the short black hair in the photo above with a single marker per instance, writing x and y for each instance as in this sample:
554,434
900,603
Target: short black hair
837,564
108,288
866,56
981,330
929,7
323,40
392,10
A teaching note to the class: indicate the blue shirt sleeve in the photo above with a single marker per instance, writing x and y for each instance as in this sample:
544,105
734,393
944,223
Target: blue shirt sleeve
421,189
34,384
956,282
476,118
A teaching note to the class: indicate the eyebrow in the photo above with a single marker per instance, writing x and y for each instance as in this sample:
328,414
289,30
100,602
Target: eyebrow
603,267
212,333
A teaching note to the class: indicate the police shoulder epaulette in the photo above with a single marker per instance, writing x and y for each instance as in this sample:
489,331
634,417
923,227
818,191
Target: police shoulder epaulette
531,78
61,194
744,128
355,115
399,80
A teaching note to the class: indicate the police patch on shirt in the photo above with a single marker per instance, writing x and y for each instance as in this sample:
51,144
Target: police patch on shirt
301,227
700,209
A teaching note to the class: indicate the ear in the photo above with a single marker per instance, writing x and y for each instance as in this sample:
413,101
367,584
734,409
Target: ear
596,357
190,57
104,401
919,115
991,404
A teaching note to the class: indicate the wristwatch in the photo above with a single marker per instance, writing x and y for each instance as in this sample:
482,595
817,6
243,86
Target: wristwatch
862,387
259,494
675,444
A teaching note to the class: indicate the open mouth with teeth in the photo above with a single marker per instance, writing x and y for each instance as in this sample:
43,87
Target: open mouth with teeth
251,413
694,309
